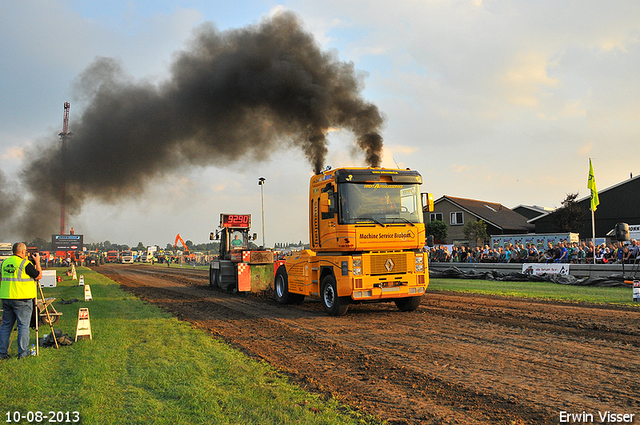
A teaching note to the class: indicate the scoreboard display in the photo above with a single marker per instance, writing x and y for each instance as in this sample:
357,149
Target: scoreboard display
235,220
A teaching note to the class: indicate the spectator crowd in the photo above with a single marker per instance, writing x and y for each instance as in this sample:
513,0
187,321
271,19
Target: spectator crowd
561,252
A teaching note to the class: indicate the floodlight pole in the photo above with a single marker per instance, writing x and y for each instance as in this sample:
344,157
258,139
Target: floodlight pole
261,181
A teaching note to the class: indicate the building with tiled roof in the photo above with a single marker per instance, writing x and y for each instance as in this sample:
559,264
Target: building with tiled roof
455,212
532,211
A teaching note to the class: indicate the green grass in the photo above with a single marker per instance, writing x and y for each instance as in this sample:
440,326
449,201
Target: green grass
143,366
539,290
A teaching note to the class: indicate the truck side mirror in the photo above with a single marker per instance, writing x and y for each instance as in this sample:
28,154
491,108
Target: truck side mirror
211,236
427,202
325,202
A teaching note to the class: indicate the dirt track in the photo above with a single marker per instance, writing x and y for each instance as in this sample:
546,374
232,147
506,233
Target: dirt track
462,359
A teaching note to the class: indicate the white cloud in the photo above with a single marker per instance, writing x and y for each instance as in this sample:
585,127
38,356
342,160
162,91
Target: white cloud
525,79
585,149
459,168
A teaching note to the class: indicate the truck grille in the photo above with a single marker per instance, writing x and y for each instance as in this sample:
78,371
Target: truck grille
388,263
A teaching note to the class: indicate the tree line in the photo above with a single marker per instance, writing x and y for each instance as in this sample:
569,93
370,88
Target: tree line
211,248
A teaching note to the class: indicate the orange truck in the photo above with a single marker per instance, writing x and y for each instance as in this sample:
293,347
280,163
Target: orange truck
367,235
112,256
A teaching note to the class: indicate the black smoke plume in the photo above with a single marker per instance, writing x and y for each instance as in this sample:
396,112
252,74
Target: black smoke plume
240,93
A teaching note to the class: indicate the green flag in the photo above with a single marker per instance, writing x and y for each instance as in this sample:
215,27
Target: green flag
591,184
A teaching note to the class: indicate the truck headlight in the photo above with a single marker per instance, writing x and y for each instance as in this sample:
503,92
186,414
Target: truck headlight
419,260
356,266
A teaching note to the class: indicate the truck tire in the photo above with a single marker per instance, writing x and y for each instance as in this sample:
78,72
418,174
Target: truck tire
409,303
212,277
333,305
281,289
216,279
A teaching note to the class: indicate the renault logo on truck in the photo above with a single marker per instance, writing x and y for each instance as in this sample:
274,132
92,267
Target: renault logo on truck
389,265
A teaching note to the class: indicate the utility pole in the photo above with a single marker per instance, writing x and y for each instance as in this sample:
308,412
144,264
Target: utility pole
64,135
261,181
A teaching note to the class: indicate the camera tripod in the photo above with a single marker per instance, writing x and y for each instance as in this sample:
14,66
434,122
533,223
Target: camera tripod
51,318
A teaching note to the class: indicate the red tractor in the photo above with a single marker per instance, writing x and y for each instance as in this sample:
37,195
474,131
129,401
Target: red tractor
239,268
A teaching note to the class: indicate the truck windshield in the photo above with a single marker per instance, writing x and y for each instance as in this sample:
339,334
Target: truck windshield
381,203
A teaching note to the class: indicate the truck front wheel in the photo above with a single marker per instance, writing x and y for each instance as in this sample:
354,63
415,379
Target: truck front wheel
409,303
333,305
281,289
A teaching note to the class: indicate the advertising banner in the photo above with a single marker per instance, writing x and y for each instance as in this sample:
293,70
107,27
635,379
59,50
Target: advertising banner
66,242
540,240
542,268
387,238
634,232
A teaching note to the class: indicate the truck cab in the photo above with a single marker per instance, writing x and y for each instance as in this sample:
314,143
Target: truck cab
366,234
233,241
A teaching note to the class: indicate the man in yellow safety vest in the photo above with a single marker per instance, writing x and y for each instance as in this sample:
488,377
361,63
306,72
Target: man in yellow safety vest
17,292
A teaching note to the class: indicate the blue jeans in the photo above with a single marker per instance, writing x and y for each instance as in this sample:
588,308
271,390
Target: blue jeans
20,310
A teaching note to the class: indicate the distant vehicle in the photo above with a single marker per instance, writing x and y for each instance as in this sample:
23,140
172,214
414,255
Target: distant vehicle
91,259
112,256
184,245
126,257
5,250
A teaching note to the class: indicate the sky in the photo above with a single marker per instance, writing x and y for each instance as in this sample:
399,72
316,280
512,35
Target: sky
503,101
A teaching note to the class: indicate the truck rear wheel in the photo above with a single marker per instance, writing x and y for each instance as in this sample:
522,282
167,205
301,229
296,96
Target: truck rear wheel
281,289
212,277
409,303
333,305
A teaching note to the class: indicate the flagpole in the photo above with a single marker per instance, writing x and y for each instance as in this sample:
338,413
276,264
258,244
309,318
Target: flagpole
593,232
591,184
